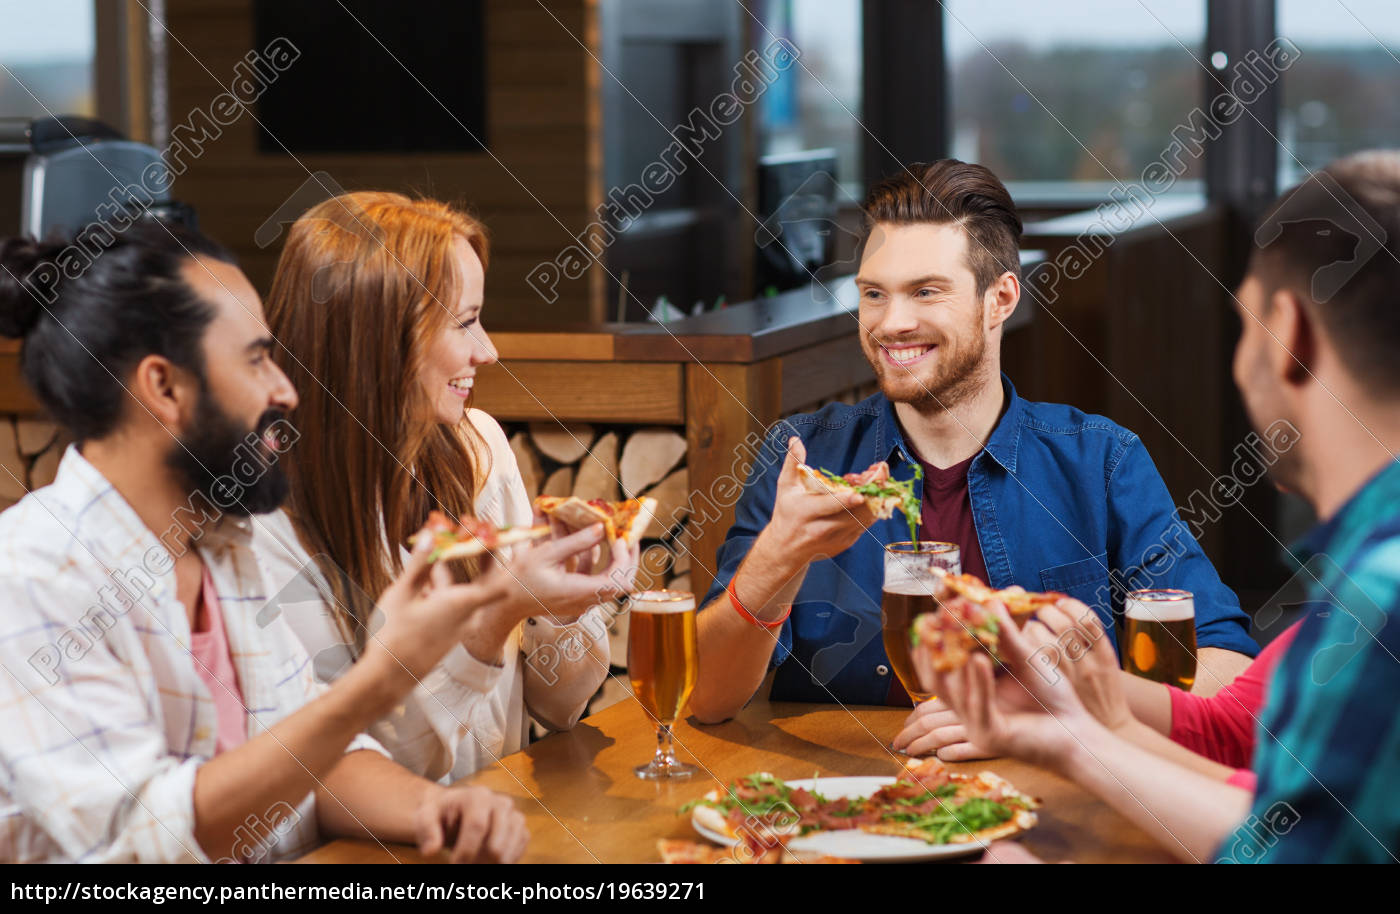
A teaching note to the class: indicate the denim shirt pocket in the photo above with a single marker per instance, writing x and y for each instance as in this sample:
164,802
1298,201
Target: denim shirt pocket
814,621
1085,580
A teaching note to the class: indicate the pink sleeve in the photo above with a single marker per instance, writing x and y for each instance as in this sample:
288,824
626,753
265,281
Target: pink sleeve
1221,726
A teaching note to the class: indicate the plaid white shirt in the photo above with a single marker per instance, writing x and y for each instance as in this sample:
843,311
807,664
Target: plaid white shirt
103,718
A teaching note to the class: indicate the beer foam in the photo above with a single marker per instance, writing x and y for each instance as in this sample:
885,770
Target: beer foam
661,601
912,574
911,586
1177,610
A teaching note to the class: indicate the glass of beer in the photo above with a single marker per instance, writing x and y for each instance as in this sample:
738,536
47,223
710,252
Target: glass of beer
662,662
908,593
1159,640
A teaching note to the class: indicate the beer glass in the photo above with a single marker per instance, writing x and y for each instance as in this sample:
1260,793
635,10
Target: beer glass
1159,639
662,662
907,593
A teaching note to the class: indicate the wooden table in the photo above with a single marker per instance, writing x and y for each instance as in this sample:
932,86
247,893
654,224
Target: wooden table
584,805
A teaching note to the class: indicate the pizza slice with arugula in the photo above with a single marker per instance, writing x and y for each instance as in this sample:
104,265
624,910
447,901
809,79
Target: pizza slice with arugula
883,494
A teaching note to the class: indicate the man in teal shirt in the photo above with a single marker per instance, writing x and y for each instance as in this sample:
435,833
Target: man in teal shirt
1320,348
1326,347
1328,758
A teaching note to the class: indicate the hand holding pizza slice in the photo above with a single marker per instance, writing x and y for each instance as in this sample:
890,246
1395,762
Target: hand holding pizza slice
1028,713
883,494
966,620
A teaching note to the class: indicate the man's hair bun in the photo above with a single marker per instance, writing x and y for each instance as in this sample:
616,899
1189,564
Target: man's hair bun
29,277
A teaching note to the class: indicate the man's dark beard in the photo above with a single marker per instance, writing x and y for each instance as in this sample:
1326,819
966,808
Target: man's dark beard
206,460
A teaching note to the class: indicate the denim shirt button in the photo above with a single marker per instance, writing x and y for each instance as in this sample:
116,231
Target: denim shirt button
882,670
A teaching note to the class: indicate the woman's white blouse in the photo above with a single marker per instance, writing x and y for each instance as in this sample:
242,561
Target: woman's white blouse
465,714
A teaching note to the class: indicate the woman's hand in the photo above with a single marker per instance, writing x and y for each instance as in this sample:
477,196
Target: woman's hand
472,824
1079,649
535,578
1082,652
1028,713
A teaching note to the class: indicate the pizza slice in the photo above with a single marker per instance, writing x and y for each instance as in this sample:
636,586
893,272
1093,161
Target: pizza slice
939,806
962,822
622,520
964,621
471,537
1019,602
953,632
883,494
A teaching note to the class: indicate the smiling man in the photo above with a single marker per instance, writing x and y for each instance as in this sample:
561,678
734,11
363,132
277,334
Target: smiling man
1035,494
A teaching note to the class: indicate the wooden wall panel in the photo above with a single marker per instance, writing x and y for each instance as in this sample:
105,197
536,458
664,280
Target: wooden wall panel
640,392
542,132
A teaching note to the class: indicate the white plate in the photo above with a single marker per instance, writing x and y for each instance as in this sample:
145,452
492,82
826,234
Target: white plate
855,844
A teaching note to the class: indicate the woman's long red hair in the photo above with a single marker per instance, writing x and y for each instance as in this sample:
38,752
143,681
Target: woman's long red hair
366,281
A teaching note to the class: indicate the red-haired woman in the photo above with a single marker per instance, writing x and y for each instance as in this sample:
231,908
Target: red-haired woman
376,305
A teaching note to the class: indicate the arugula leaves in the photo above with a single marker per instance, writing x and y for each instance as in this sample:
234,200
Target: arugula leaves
907,490
938,826
777,797
950,820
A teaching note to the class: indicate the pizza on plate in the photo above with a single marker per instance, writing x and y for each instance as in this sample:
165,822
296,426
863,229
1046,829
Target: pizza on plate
674,850
927,802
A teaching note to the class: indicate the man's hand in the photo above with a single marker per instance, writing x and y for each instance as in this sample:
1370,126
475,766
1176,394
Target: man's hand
933,728
424,614
472,824
808,525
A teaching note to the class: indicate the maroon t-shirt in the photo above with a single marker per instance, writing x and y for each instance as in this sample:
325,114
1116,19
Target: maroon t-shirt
946,514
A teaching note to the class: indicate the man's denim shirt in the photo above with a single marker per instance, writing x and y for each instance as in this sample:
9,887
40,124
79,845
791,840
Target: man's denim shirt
1061,501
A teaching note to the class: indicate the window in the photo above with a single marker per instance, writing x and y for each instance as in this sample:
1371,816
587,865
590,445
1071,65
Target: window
1086,92
815,104
46,58
1340,95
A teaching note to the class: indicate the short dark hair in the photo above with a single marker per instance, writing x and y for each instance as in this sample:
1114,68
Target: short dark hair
89,309
950,191
1306,242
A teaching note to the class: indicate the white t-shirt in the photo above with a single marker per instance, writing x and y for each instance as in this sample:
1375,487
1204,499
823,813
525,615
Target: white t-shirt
465,714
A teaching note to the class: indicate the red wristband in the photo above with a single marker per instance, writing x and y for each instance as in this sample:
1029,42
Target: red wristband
739,607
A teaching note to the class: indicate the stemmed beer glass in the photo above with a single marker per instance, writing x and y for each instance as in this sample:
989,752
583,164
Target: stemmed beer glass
663,663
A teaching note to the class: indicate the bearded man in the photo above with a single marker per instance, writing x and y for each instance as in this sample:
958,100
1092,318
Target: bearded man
1038,495
151,711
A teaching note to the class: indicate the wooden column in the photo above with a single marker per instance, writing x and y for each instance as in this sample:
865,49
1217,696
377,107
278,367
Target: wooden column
726,405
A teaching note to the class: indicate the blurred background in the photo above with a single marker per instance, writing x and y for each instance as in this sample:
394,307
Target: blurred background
701,248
